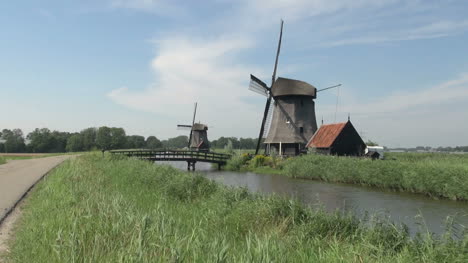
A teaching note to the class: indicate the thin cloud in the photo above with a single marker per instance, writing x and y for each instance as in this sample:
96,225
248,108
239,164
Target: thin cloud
190,70
455,90
46,14
160,7
432,30
433,116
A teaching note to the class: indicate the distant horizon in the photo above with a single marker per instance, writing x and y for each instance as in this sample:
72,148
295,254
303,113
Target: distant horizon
210,139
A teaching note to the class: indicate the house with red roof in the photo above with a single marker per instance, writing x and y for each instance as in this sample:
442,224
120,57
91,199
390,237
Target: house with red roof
337,139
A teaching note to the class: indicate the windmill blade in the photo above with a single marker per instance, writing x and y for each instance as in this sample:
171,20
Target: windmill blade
258,86
336,86
184,127
268,120
262,128
193,123
273,77
194,113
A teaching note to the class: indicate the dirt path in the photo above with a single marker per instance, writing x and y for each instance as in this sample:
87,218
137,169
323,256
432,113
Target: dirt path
16,178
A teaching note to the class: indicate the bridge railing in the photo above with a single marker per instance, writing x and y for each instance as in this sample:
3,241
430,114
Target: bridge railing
175,155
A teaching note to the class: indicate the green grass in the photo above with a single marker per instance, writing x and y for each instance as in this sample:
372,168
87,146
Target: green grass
5,158
94,209
434,174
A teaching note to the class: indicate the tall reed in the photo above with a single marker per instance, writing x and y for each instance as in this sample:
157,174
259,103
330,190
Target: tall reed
94,209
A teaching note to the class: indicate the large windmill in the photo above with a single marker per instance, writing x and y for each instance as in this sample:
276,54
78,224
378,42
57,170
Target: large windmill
290,121
198,138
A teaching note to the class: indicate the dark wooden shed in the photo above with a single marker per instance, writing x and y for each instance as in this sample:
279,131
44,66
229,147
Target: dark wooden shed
337,139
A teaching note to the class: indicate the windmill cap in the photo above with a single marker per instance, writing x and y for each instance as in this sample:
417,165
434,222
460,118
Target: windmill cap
199,127
286,87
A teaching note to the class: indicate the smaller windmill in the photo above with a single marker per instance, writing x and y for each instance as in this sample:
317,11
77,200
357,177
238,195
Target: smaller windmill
198,138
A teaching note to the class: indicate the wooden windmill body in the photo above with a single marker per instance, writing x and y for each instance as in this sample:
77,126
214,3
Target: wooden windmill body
289,122
198,138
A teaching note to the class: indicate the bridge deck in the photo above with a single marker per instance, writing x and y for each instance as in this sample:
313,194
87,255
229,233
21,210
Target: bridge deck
174,155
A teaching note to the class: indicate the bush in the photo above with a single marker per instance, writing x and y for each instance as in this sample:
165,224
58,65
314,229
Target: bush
258,161
237,161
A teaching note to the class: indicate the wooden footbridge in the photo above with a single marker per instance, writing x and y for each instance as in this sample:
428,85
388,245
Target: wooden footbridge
191,157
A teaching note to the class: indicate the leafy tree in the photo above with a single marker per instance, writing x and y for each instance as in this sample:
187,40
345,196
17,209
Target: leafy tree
247,143
371,143
45,141
75,143
14,141
59,141
118,138
176,142
89,138
135,142
40,140
104,138
153,143
229,147
2,145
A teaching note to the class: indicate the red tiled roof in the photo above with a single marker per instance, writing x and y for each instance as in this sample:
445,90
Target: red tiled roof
326,135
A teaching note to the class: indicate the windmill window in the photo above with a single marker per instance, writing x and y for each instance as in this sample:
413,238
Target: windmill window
302,103
301,129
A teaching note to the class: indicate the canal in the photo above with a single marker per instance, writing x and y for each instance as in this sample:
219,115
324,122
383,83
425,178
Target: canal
418,212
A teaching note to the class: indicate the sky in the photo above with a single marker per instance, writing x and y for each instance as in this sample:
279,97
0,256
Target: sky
142,64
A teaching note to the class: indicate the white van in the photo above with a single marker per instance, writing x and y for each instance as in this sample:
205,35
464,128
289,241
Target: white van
378,149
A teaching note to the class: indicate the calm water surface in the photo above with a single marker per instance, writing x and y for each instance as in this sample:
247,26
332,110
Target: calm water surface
412,210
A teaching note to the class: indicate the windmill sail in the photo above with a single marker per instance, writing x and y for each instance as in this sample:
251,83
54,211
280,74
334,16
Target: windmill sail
268,104
273,77
184,127
268,120
258,86
193,123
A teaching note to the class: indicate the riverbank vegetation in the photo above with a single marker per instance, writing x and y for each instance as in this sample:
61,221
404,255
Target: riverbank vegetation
434,174
111,209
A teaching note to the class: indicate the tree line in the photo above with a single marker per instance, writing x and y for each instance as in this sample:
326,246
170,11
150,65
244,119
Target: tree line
103,138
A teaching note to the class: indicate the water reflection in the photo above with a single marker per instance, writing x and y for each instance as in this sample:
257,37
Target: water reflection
399,207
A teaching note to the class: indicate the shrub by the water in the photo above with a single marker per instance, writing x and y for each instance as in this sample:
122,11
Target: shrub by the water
94,209
237,161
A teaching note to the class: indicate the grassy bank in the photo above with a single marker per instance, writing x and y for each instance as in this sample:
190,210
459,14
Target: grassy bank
4,157
435,175
92,209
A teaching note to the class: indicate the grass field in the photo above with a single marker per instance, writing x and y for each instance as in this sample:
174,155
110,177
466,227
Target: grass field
434,174
95,209
5,158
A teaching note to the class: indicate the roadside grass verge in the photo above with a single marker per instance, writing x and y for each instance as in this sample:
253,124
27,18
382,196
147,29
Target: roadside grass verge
4,157
433,174
114,209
